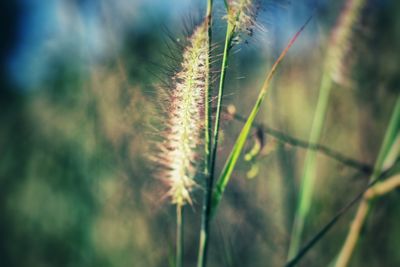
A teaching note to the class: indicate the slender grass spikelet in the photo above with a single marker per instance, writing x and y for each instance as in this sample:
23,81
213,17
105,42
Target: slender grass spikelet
241,15
185,118
340,44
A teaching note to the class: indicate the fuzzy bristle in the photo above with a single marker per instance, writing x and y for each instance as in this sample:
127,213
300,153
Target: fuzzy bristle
241,15
185,118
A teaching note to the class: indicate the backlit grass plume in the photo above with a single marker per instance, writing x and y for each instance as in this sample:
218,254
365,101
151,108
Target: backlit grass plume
241,15
185,121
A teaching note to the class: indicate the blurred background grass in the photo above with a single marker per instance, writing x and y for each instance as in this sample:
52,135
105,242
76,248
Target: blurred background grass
78,84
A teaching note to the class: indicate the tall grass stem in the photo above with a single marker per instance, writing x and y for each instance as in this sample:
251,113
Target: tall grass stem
179,236
204,231
309,172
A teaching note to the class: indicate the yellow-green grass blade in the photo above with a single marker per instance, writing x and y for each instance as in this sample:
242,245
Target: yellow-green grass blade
392,136
309,172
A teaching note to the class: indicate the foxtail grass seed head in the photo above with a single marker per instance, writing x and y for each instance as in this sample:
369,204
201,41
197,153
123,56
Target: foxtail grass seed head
241,15
185,118
340,44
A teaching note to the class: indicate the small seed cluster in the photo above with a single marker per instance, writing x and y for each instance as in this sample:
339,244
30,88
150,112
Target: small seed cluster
241,15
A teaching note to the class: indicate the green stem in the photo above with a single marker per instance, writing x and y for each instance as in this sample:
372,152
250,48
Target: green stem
207,110
309,173
204,234
203,242
228,40
179,235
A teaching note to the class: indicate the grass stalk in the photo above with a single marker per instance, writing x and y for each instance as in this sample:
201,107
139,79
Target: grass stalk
203,242
383,188
179,236
228,41
204,234
309,172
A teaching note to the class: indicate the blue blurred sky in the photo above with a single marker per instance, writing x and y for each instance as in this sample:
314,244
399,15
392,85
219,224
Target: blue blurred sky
81,29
